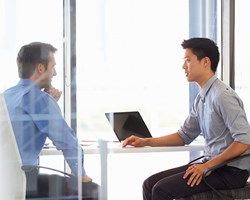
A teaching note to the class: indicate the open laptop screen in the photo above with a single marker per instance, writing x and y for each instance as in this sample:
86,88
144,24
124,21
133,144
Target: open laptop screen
126,124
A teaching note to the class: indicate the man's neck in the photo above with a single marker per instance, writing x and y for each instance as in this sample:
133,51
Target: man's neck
205,79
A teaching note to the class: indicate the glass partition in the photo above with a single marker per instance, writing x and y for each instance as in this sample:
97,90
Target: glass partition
128,57
28,21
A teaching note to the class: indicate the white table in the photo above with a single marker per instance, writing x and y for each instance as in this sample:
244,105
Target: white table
116,148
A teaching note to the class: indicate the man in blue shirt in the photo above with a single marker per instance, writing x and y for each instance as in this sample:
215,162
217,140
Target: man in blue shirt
218,114
36,116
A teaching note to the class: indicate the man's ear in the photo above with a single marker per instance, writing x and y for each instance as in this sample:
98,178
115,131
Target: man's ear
207,61
40,68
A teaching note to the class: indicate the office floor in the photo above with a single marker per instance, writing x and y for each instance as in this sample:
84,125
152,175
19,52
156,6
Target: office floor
126,172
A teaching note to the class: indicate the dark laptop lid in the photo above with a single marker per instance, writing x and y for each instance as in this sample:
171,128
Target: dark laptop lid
126,124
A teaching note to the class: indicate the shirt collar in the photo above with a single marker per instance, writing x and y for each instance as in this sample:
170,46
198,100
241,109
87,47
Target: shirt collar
27,82
207,86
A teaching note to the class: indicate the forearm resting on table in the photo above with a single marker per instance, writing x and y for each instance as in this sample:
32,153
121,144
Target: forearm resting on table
168,140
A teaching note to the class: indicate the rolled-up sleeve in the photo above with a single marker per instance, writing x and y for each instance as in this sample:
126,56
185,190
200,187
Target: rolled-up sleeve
232,109
191,128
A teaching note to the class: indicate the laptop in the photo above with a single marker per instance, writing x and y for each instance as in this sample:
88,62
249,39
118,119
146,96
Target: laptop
126,124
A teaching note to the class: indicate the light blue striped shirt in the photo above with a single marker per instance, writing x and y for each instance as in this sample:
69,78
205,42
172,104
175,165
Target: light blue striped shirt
35,115
218,114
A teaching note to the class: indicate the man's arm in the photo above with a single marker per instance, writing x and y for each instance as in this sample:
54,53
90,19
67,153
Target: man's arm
234,150
173,139
195,171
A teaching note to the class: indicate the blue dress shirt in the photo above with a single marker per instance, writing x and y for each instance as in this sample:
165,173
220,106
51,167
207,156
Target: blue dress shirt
218,114
35,115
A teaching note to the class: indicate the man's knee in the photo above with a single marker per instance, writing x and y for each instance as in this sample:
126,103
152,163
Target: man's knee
146,185
90,191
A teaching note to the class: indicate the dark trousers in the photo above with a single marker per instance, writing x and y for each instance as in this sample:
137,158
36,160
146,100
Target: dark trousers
57,187
170,184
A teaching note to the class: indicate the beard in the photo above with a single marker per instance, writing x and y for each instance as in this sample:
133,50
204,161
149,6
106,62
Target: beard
46,84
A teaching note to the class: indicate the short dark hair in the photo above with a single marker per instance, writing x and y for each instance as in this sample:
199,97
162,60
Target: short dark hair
32,54
203,47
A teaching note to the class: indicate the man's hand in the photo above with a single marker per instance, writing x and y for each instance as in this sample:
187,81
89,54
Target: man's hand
86,179
195,171
53,92
134,141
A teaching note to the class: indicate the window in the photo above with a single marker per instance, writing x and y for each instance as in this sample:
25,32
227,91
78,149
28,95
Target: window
242,42
129,57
